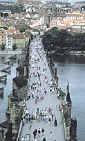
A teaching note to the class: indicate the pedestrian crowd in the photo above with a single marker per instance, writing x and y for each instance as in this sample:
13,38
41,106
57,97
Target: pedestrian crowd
45,114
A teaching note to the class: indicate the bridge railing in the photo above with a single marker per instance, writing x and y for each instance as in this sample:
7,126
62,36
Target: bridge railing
66,129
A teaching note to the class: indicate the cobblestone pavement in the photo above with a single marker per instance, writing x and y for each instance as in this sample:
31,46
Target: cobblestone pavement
42,108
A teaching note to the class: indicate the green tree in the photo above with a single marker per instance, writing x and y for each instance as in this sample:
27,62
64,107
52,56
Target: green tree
22,30
23,27
3,46
14,47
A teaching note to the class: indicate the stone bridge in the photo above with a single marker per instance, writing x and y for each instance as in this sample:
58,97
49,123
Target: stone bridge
44,111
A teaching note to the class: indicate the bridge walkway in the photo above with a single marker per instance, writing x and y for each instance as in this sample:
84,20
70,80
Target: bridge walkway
43,106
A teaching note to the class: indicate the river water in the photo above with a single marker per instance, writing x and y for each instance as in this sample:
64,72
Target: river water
7,88
73,69
69,68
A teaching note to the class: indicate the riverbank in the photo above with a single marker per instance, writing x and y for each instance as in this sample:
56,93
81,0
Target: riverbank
69,59
77,53
62,42
71,53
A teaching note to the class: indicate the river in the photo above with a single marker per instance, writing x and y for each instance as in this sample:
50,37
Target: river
69,68
73,69
7,88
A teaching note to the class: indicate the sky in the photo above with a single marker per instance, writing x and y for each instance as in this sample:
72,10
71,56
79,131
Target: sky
8,0
74,0
56,0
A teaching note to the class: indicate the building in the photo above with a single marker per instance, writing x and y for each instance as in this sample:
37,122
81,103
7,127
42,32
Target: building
5,13
2,23
62,4
9,41
19,40
74,20
53,22
79,5
2,36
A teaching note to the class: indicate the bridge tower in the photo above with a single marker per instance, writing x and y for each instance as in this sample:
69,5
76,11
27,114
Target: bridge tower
68,101
67,114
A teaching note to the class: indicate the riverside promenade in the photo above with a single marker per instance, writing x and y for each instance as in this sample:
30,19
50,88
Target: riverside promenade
42,119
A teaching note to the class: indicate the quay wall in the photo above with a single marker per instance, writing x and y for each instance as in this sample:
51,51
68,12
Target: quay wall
77,53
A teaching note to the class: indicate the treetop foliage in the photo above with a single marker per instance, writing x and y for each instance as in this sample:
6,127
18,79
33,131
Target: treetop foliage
63,41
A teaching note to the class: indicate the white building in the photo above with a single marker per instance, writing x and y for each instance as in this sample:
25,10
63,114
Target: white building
42,20
9,41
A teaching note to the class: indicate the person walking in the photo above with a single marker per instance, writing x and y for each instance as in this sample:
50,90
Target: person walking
34,133
39,131
42,131
45,92
52,117
44,139
40,84
55,122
